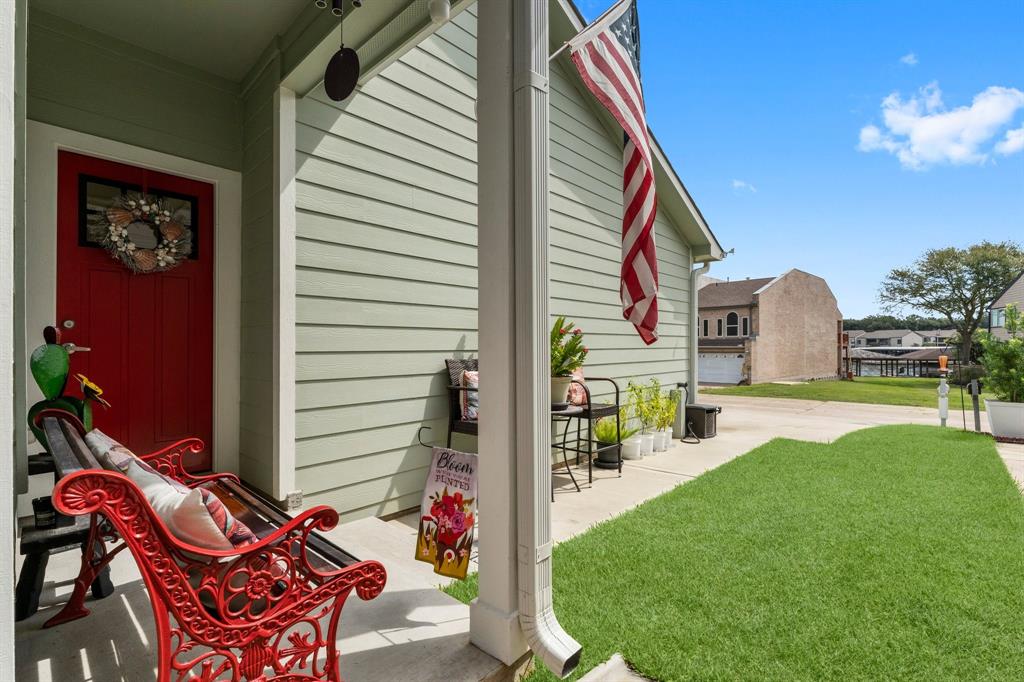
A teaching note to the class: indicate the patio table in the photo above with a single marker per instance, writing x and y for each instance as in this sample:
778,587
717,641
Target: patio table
566,414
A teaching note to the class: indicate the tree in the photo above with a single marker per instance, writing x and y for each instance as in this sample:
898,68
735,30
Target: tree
957,284
875,322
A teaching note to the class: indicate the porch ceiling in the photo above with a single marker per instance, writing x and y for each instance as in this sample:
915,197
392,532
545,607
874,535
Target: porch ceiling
224,38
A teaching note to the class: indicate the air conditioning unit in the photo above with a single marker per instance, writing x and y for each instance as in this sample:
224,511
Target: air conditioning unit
702,420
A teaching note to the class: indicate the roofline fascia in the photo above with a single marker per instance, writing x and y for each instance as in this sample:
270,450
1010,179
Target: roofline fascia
714,252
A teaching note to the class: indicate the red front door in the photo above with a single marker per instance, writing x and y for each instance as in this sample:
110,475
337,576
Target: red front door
150,334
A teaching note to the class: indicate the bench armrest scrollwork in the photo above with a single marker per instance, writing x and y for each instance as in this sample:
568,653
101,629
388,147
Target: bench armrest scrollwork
169,461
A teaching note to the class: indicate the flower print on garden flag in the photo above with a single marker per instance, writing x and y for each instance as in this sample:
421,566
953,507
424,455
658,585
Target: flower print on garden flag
448,513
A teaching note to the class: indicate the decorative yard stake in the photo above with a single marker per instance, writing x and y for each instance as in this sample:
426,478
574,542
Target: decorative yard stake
943,390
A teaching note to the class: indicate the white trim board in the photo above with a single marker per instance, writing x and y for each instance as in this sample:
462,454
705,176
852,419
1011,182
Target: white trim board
284,294
44,141
8,325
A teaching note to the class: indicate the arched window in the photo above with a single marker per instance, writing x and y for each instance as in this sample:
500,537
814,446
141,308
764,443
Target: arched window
732,324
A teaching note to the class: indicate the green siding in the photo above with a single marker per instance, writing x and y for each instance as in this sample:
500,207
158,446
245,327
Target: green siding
386,266
86,81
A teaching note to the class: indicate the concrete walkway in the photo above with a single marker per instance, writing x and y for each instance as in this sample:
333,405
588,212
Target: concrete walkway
413,631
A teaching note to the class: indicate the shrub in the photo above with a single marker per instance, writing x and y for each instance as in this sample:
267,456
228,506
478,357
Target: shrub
1003,360
645,402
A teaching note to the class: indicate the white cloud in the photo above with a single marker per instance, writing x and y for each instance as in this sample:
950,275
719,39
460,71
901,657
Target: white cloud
1012,143
921,131
910,59
741,185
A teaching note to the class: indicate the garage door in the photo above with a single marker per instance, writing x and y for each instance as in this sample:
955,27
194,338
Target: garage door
720,368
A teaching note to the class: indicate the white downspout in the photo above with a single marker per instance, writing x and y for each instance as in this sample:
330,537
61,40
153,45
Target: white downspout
514,607
694,312
546,637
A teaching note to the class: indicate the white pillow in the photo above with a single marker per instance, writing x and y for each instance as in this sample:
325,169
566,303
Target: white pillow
184,511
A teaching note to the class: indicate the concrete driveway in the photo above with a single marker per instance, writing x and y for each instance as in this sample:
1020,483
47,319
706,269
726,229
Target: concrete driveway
744,424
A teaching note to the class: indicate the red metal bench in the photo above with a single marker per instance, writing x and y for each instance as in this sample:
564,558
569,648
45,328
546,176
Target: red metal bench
268,611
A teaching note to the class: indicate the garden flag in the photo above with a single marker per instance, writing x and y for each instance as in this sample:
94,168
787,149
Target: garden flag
447,514
607,55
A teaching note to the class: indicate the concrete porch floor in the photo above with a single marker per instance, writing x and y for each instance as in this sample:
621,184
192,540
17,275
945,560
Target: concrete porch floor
414,631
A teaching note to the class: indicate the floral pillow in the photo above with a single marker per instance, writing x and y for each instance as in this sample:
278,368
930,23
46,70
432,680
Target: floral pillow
193,515
470,400
577,396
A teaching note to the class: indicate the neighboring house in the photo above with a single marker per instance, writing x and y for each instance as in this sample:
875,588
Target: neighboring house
856,337
1014,295
891,338
769,329
937,337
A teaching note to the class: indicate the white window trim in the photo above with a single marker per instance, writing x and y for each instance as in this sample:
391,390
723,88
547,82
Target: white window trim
736,326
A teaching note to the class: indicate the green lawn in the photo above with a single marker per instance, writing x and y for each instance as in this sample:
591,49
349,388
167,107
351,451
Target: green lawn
894,553
880,390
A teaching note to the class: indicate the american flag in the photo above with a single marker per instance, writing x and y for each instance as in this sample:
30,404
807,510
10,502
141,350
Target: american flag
607,55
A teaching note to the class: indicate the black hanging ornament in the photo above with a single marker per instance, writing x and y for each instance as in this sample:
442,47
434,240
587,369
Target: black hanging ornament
342,72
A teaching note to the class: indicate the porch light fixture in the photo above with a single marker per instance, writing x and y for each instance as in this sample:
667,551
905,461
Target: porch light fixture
342,73
440,11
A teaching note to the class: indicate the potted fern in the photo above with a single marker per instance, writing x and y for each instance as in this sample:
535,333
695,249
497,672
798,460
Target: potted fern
567,354
1003,360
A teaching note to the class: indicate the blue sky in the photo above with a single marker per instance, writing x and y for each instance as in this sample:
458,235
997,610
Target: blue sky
841,138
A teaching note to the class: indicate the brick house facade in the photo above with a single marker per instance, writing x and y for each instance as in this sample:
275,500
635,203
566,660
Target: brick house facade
768,329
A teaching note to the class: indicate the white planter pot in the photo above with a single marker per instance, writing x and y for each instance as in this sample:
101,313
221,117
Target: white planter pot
631,448
647,444
668,437
560,389
660,441
1005,419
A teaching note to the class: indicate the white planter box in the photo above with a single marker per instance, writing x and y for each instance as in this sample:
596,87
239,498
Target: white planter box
659,441
1005,419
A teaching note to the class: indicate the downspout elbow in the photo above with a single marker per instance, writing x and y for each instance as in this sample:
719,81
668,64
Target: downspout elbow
548,639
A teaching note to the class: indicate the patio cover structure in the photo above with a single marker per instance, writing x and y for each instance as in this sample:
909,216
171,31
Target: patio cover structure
513,613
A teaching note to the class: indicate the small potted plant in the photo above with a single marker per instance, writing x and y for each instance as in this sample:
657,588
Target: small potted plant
643,401
663,425
658,408
567,354
1003,360
605,435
